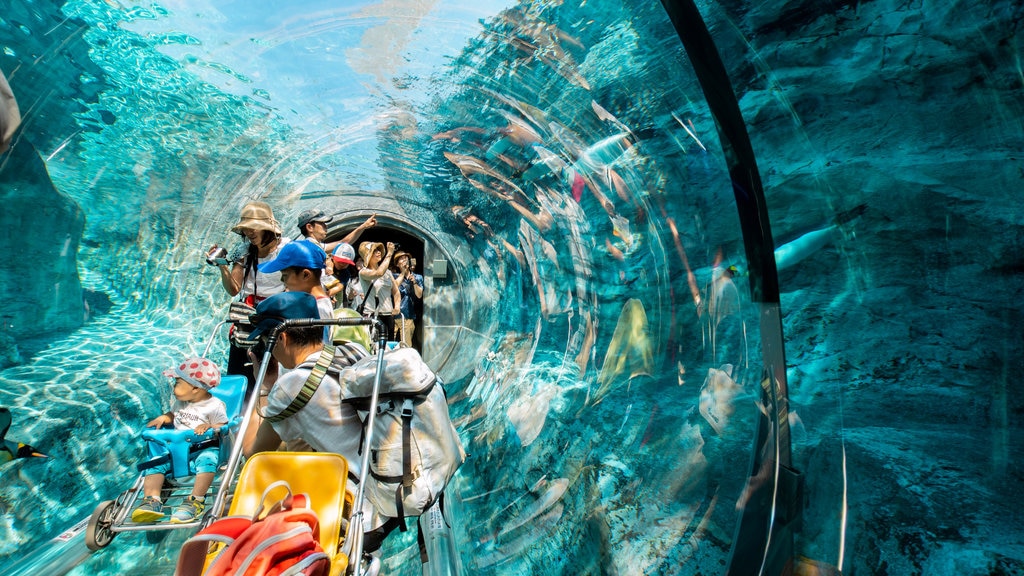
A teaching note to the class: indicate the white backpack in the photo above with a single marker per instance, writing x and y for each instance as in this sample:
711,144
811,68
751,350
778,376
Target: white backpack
415,449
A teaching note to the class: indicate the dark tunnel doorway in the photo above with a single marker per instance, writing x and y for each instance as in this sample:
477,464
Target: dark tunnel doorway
404,242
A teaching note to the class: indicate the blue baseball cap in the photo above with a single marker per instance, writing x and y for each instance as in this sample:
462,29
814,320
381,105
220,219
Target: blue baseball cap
280,307
298,254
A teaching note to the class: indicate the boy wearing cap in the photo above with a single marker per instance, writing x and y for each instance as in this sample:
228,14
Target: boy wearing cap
301,264
343,260
194,408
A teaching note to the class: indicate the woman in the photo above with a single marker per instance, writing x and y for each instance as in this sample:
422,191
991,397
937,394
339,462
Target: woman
240,276
410,286
382,296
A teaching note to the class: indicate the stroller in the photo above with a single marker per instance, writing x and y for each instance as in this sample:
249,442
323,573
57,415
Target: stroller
164,445
320,478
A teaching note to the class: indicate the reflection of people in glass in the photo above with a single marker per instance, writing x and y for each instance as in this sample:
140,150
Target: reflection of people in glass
724,316
410,286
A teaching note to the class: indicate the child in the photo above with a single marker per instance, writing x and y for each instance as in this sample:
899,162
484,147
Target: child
301,266
194,408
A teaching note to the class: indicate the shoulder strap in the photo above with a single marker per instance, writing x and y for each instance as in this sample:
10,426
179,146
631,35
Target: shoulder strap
309,388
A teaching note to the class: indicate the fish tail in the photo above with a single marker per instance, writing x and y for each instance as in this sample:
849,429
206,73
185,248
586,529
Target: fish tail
851,214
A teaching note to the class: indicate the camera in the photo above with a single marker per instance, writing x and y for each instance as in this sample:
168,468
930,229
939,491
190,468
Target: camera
217,256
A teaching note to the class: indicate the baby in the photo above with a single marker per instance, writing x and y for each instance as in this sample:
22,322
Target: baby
194,408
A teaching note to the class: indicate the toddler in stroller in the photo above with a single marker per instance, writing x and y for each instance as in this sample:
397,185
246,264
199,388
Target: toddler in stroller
194,408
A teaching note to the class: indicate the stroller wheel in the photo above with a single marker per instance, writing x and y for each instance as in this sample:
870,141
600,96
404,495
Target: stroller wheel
99,533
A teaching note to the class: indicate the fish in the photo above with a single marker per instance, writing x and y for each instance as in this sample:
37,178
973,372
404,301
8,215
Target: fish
551,496
10,116
455,134
607,116
519,132
790,253
630,352
10,450
469,165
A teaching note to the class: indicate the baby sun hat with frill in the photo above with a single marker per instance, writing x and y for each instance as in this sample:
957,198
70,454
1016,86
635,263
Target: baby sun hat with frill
198,372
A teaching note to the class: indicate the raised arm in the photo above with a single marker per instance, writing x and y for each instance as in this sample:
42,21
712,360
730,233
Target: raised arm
396,295
353,236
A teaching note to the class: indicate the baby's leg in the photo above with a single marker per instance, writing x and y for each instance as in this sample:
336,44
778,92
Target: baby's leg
206,467
152,484
203,482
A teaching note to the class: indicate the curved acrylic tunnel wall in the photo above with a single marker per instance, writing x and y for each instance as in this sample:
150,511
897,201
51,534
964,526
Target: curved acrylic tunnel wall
595,326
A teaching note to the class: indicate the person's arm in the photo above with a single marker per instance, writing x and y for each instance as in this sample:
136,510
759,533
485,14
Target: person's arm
334,287
417,286
161,420
396,296
264,440
354,235
231,278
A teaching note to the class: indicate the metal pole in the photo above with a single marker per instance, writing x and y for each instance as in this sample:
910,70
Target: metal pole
364,465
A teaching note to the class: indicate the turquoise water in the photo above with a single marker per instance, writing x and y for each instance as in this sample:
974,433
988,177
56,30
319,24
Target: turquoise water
615,389
575,464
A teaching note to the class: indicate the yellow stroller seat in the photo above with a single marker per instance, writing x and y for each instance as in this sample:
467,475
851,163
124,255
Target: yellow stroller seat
321,476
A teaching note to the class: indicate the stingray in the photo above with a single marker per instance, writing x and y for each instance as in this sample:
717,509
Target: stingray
629,353
10,117
528,413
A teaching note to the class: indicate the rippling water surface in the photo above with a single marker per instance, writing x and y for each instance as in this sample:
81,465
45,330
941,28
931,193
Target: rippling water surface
564,150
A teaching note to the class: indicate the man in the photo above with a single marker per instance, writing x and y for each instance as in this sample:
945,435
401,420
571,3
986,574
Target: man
323,421
410,286
313,225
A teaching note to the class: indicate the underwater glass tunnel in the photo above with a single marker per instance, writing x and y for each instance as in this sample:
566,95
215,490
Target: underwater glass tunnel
667,345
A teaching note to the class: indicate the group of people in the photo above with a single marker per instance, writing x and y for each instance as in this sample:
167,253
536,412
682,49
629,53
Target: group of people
282,279
380,282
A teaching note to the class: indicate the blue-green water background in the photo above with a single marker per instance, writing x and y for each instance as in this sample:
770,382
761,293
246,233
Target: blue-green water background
161,120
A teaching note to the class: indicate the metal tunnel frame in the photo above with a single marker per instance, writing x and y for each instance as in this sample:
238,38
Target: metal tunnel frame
763,543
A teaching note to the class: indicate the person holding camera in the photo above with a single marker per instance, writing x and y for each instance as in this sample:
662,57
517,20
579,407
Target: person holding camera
410,286
240,275
382,298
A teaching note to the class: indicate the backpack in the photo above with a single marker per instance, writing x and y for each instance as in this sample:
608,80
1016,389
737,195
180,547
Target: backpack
284,542
414,448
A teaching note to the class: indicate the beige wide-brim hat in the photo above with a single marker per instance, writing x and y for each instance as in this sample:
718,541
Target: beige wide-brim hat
368,248
257,216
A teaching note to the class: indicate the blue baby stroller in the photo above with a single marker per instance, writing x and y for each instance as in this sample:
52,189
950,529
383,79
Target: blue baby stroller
174,447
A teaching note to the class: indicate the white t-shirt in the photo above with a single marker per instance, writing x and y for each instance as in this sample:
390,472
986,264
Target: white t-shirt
254,281
188,415
378,294
324,422
326,308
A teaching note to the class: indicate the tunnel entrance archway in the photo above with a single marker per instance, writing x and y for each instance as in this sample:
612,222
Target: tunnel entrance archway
454,324
405,241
